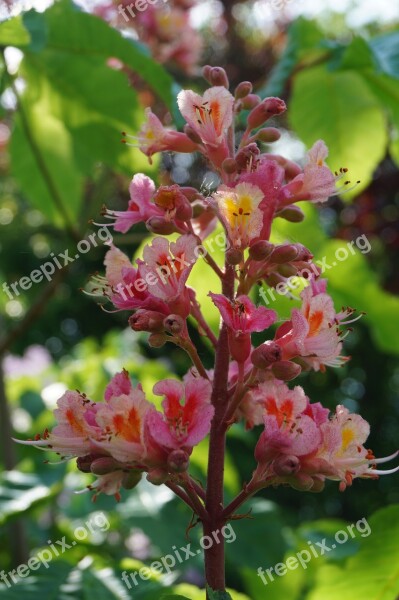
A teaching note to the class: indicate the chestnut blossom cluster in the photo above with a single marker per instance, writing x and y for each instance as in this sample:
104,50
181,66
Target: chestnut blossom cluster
164,26
302,445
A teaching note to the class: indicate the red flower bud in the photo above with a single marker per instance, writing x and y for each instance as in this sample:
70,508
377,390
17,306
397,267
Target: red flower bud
286,370
103,465
174,324
266,354
229,166
234,256
268,135
131,479
206,73
284,253
250,101
147,320
286,465
160,226
178,461
292,213
157,340
270,107
218,76
261,250
157,476
243,89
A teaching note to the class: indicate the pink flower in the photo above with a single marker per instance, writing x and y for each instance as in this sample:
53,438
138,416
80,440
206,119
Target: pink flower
304,448
187,413
273,398
242,318
209,115
121,419
317,183
154,137
125,285
76,428
140,208
240,213
268,176
166,268
312,332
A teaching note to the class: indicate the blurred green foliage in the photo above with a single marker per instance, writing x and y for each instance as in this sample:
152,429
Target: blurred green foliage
64,160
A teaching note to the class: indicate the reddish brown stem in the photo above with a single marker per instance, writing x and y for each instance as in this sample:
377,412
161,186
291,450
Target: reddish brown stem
214,556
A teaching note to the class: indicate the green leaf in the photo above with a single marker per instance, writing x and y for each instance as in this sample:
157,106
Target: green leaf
340,108
13,33
174,597
43,162
357,55
36,25
304,39
215,595
20,492
373,573
386,49
85,35
386,90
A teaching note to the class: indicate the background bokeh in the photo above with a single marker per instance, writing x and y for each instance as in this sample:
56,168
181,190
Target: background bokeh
72,77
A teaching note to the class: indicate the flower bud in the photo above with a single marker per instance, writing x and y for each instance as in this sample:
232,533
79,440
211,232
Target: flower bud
304,254
160,226
190,193
131,479
239,346
199,207
243,89
318,485
302,482
157,340
84,462
218,76
274,279
184,212
157,476
250,101
234,256
229,166
178,461
286,465
264,111
260,250
206,73
192,134
286,370
268,135
287,270
292,213
103,465
174,324
284,253
266,354
147,320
